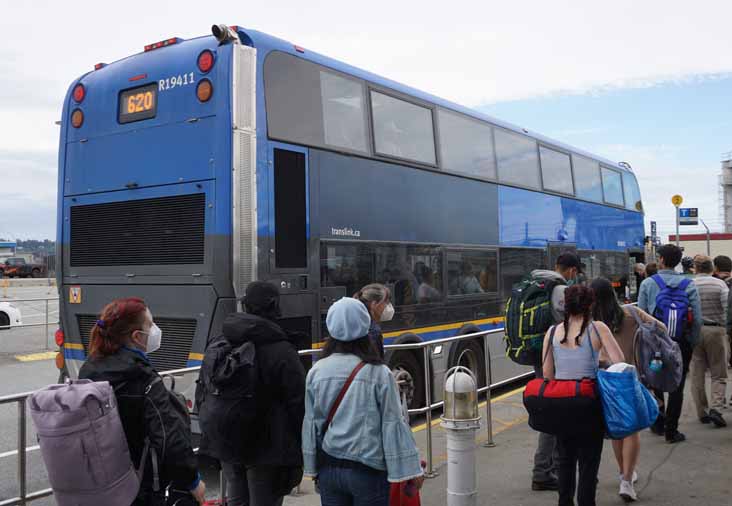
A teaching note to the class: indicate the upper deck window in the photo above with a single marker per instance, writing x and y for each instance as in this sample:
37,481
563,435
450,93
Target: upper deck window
402,129
312,105
466,145
588,184
556,171
517,159
632,192
612,186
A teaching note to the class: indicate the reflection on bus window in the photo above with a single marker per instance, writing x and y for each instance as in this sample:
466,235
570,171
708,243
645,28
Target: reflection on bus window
471,272
517,159
466,145
588,184
402,129
556,171
517,263
343,112
632,192
612,186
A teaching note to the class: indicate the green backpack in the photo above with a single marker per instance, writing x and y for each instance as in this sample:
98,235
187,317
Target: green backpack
528,317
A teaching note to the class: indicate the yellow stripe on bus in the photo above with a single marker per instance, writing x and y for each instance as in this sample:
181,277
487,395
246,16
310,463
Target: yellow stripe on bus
73,346
449,326
195,356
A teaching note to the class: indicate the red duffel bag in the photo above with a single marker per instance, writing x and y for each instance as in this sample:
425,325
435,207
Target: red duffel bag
564,407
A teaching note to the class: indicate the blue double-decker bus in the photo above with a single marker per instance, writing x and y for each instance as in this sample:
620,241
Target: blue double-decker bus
196,166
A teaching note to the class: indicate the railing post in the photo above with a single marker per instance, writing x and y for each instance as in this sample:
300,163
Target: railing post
430,473
488,381
21,451
45,329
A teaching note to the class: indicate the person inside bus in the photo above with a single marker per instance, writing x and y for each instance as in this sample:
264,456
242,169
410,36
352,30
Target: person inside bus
621,321
427,292
571,351
368,444
120,340
377,299
468,282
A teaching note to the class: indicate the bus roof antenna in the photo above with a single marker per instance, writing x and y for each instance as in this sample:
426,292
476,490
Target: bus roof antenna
224,34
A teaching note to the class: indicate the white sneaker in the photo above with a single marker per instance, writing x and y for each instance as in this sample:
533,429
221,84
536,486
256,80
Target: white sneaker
627,492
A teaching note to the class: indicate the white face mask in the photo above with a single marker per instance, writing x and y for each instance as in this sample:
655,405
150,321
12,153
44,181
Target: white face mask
154,337
388,313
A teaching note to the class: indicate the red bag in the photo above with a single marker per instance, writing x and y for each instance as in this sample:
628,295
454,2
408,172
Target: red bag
399,495
564,407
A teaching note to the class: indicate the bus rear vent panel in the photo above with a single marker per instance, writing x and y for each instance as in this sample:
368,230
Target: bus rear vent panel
160,231
175,347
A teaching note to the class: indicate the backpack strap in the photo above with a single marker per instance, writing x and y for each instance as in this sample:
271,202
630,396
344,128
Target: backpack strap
659,281
684,283
340,397
552,331
634,311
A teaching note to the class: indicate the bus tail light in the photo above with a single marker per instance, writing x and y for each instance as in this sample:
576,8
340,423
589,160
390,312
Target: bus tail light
79,93
205,61
77,118
163,43
60,361
59,337
204,90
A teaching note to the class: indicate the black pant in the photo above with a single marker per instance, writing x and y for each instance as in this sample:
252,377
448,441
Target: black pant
587,453
259,485
670,412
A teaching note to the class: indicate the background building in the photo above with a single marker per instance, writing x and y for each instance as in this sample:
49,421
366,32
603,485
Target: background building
725,192
7,249
694,244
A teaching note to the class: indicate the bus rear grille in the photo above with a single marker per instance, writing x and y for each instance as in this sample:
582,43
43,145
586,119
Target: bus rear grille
175,347
160,231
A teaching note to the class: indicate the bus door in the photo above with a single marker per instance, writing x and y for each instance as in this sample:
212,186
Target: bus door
289,240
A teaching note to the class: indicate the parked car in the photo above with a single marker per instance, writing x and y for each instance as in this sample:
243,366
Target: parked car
9,316
17,267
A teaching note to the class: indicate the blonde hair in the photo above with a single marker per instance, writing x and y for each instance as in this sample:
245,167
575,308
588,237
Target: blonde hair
375,292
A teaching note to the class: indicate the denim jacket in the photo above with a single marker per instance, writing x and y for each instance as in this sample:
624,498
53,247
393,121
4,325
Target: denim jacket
368,426
649,291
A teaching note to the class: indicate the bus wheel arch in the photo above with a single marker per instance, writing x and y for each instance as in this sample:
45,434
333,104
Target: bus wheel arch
411,364
471,353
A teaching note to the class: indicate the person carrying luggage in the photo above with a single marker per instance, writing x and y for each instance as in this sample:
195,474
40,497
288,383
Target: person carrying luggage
571,352
621,320
120,340
673,299
355,441
251,402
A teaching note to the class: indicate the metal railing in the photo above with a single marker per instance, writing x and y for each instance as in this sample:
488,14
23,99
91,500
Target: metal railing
426,347
47,321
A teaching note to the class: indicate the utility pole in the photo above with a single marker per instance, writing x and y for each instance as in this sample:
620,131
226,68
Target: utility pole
709,245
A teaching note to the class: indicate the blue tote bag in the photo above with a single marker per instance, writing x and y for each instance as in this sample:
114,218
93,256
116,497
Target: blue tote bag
628,406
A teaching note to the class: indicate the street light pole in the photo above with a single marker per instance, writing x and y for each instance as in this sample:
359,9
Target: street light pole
677,226
709,246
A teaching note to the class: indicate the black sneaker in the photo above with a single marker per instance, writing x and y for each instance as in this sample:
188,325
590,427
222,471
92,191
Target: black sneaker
705,419
676,437
657,430
540,486
716,418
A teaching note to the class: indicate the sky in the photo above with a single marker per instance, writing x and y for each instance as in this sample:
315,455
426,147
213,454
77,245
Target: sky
645,82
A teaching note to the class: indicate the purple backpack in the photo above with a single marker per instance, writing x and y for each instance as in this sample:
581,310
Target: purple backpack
83,444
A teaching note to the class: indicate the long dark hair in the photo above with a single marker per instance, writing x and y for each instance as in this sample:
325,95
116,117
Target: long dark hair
363,348
578,301
607,309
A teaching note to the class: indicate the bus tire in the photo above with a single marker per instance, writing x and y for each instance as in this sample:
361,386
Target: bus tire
36,273
470,353
407,362
4,321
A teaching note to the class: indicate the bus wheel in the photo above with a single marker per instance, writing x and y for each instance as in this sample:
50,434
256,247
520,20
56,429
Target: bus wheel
470,354
407,369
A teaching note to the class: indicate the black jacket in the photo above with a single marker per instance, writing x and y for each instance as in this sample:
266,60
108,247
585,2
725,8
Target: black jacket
281,390
147,411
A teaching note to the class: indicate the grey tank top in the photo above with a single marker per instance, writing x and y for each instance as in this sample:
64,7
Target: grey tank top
576,363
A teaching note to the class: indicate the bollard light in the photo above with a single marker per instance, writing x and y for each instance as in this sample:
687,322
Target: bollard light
461,421
461,395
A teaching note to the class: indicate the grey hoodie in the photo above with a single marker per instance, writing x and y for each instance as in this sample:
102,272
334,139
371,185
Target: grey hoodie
557,293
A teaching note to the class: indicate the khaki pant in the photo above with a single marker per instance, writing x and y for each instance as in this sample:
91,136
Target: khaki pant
711,354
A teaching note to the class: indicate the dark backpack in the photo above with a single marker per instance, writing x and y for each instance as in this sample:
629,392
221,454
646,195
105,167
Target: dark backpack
672,307
227,402
652,343
528,317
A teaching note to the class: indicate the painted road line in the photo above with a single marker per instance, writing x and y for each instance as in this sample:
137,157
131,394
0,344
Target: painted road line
423,426
32,357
